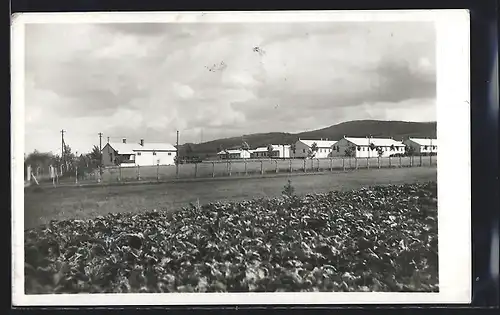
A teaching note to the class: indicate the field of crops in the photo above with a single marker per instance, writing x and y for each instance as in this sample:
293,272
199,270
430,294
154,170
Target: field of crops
264,166
370,239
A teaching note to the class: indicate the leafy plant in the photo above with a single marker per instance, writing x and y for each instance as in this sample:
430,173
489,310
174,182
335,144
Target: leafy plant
381,238
288,189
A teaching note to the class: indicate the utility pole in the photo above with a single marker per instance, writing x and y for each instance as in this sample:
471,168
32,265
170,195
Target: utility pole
108,140
100,152
177,156
62,146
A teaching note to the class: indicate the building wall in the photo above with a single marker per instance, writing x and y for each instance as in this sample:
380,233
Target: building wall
323,153
301,149
108,156
144,158
342,145
421,149
364,150
245,154
283,151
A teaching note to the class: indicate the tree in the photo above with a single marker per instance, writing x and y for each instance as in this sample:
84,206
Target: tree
314,147
372,146
293,148
409,150
270,150
393,147
350,151
95,156
245,146
380,151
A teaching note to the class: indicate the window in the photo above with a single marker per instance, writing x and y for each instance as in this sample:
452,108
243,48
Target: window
138,153
154,153
363,148
303,150
169,153
111,157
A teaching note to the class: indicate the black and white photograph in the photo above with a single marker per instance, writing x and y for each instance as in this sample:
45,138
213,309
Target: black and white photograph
230,153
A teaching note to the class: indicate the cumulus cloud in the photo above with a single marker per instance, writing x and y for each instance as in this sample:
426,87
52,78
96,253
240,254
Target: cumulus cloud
147,80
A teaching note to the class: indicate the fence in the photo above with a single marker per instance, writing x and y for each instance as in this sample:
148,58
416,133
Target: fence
241,168
58,175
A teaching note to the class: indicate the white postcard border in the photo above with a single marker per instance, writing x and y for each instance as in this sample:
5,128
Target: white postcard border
453,129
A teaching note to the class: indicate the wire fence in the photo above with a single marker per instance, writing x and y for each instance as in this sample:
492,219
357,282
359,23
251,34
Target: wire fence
241,168
230,168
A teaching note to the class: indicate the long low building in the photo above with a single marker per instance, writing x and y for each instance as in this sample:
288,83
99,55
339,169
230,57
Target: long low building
142,154
313,148
422,145
367,147
234,154
278,151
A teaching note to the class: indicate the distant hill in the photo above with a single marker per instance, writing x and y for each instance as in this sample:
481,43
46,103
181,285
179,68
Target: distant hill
357,128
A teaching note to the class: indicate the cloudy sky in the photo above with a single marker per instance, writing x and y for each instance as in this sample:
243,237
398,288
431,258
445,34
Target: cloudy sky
221,80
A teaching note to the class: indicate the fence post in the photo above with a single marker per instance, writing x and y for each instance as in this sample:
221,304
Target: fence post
213,169
119,173
356,162
400,163
229,168
76,175
138,172
304,165
28,173
343,164
158,172
390,159
331,165
261,168
430,159
195,170
368,162
411,161
291,170
378,161
246,168
276,167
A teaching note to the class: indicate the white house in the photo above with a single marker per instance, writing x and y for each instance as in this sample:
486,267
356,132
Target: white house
422,145
367,147
234,154
279,151
155,154
122,153
303,148
143,154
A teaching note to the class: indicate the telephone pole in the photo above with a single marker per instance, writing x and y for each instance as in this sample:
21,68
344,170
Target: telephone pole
177,156
100,151
62,146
